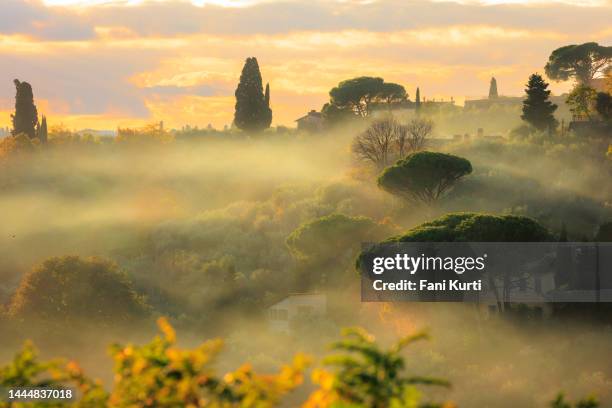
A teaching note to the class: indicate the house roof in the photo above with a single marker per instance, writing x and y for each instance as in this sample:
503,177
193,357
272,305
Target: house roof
311,114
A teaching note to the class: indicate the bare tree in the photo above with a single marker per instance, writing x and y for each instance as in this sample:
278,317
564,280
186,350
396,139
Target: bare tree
418,130
401,136
386,140
377,143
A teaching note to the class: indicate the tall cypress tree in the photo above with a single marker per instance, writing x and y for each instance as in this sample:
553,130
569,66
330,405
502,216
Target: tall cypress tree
253,111
267,119
25,118
417,103
493,89
537,108
42,132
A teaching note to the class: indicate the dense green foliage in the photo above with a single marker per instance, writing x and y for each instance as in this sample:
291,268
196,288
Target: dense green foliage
70,288
16,146
424,176
362,374
357,95
475,227
581,101
561,402
162,375
157,374
253,111
25,117
392,93
330,236
581,62
537,108
26,371
472,227
368,376
325,248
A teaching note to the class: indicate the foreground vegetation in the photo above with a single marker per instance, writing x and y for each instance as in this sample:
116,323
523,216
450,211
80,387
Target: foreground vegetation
159,374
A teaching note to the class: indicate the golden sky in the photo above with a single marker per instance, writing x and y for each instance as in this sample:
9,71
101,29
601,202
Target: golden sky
108,63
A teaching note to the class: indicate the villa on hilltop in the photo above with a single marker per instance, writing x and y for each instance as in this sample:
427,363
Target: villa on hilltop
494,99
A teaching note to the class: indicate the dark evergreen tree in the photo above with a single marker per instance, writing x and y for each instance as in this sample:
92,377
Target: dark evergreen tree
25,118
268,110
493,89
42,131
537,108
417,103
253,112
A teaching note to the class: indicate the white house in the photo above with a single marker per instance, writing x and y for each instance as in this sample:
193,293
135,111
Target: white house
281,314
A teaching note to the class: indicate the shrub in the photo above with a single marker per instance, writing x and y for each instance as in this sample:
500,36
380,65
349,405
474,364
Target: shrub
368,376
69,288
330,236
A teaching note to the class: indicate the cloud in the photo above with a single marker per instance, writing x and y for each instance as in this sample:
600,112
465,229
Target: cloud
79,81
33,19
180,62
171,18
172,90
581,3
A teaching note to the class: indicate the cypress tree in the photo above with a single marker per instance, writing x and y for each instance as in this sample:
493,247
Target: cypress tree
25,118
537,108
253,112
418,99
42,133
493,89
267,117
